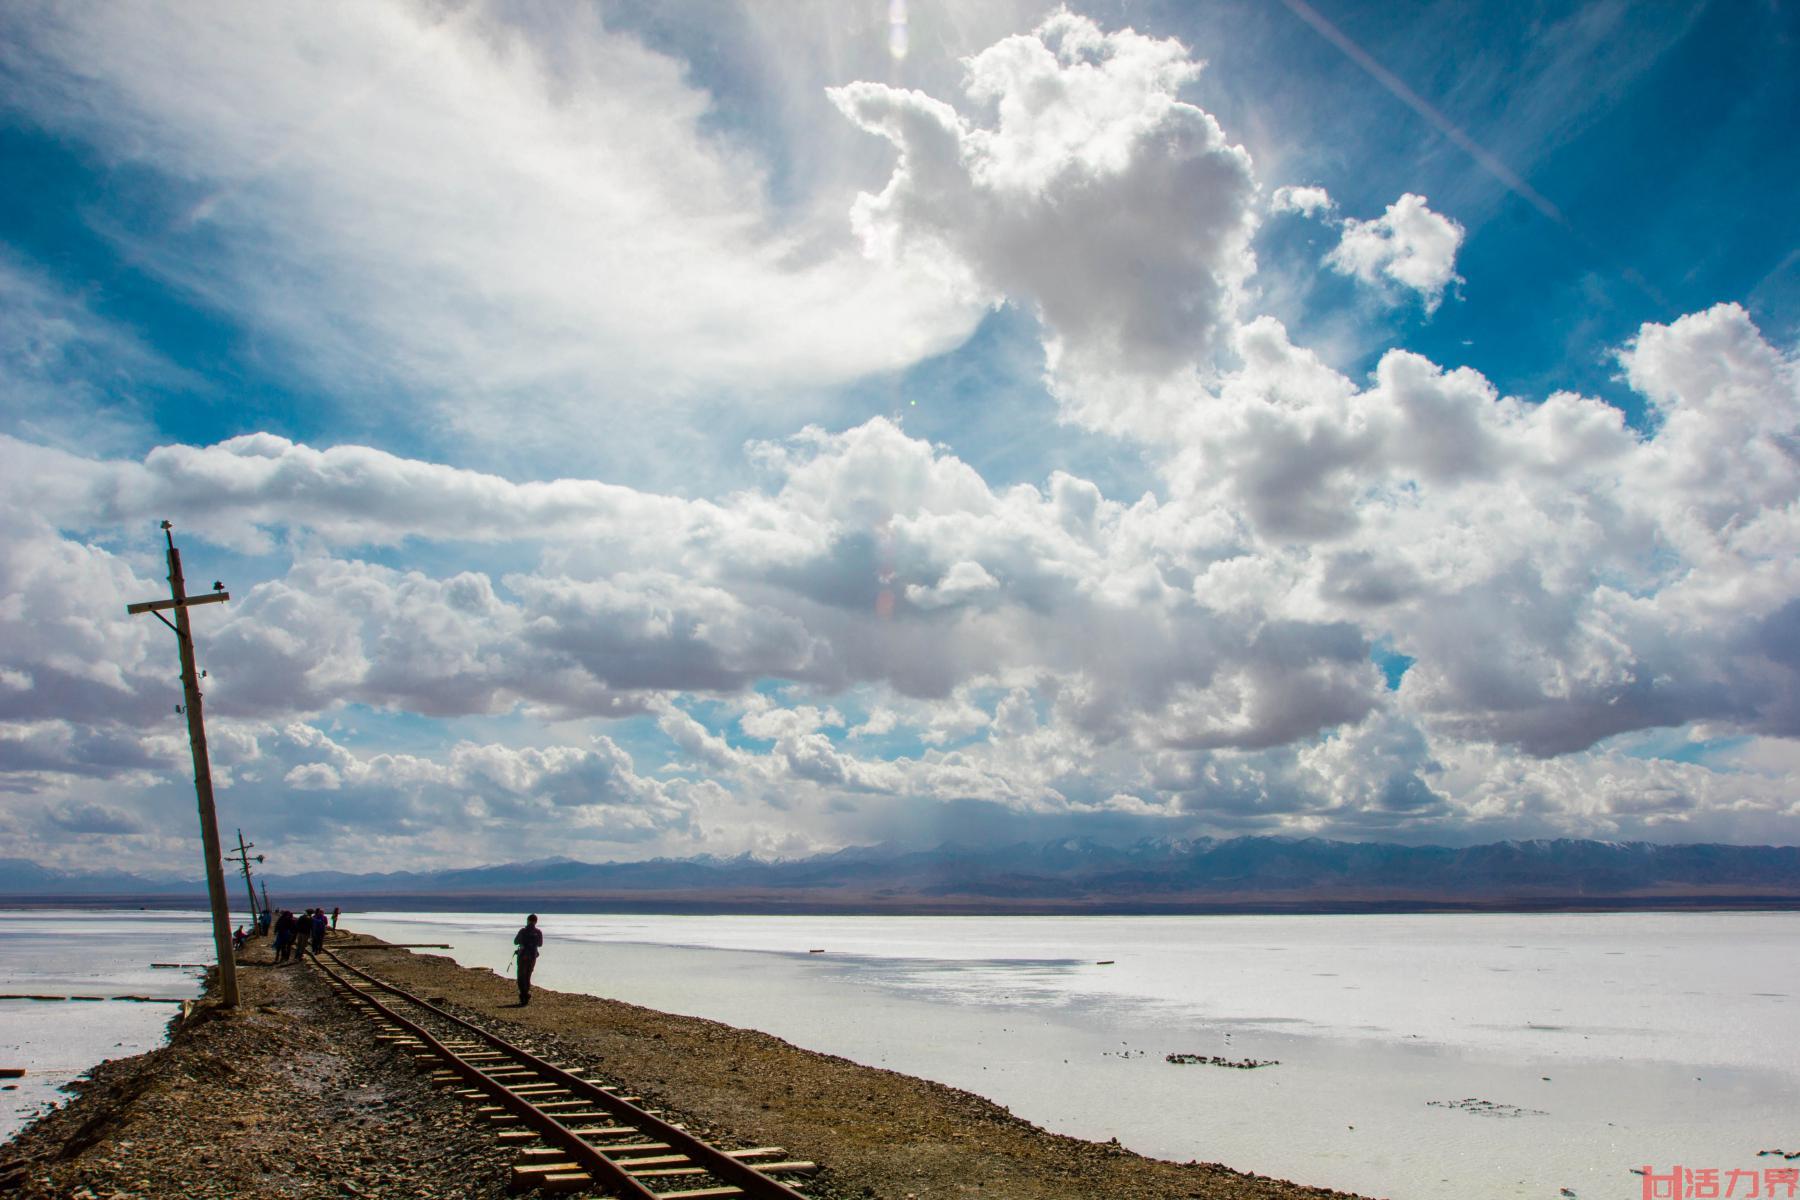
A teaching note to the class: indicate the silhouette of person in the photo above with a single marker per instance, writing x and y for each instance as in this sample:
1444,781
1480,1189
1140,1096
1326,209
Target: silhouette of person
284,935
529,940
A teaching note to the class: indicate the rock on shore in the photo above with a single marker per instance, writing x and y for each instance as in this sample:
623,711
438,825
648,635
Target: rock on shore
292,1096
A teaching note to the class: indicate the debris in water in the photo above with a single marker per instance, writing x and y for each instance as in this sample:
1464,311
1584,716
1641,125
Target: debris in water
1486,1108
1215,1060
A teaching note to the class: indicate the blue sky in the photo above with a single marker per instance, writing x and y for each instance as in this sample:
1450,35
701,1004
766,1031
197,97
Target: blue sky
665,429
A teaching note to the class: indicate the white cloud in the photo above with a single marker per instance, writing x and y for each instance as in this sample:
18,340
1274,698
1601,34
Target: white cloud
524,224
1729,439
1199,656
882,720
695,741
1408,245
71,655
531,800
762,718
1116,211
1296,198
1307,520
964,581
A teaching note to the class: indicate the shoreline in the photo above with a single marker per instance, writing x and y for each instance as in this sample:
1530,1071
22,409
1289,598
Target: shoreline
875,1132
785,904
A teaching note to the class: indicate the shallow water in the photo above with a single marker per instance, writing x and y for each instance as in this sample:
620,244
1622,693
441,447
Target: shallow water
1599,1042
87,953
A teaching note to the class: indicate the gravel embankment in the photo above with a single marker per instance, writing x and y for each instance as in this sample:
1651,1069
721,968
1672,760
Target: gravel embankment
292,1096
289,1096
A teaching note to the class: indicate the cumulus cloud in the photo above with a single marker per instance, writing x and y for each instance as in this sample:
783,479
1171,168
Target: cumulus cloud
763,718
1408,246
1296,198
1388,778
962,582
787,585
1118,212
525,798
1431,505
882,720
71,656
1307,519
314,802
92,818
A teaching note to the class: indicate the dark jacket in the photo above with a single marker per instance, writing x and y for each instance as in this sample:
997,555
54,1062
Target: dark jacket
529,940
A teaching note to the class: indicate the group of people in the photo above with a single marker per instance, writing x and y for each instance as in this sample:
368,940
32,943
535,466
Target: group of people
293,934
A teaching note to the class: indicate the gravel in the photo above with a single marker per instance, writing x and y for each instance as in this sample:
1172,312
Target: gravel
291,1095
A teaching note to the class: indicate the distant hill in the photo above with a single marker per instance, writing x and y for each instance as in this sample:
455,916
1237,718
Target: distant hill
22,879
1272,874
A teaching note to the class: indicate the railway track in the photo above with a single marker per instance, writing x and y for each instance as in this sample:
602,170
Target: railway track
573,1133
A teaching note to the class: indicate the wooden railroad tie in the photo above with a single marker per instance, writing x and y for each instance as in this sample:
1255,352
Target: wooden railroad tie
581,1131
552,1154
494,1112
554,1168
576,1181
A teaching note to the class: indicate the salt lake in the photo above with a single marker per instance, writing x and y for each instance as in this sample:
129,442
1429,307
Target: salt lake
77,952
1416,1057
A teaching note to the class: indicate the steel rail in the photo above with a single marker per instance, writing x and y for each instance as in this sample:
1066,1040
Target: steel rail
548,1127
720,1164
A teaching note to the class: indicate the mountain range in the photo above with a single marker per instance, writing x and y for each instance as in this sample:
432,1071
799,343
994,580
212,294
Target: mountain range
1274,874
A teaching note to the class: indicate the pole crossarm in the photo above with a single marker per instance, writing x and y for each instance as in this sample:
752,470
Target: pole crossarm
189,602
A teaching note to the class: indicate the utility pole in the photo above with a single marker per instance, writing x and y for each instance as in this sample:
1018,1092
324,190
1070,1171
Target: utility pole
243,859
180,601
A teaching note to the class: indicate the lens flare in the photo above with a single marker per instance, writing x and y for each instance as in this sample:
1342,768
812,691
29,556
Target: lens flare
897,39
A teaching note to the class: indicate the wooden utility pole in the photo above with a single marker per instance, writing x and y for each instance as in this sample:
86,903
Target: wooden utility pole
180,601
243,859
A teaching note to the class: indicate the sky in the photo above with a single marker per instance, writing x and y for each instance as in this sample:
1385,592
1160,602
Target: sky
641,429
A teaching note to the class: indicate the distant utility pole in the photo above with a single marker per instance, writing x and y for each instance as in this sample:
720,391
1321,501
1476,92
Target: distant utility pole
244,859
180,601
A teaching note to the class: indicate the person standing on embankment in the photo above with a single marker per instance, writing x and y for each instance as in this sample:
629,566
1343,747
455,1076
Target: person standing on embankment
284,935
529,941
